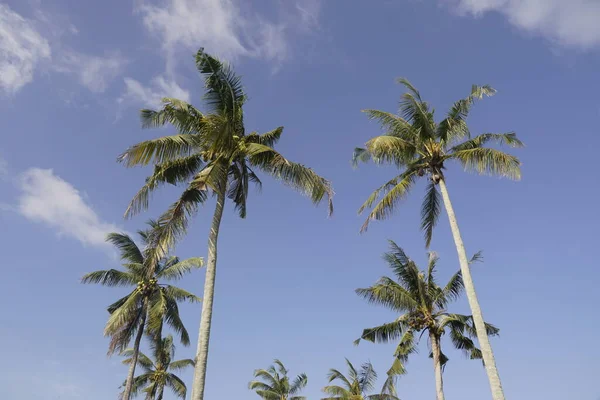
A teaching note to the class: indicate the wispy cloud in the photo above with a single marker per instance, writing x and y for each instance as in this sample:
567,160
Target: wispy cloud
3,167
22,48
93,72
47,198
223,28
152,95
571,23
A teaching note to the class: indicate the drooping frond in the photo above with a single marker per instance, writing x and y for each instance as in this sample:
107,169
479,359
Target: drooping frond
509,139
392,124
269,139
367,377
112,277
238,186
452,291
295,175
360,155
395,191
430,211
386,332
176,385
172,172
389,294
391,149
181,364
298,384
181,268
129,251
160,150
488,161
143,360
182,115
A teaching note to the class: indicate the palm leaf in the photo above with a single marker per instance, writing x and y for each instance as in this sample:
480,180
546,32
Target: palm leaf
430,211
489,162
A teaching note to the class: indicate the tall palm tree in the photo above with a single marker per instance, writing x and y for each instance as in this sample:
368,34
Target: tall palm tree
276,385
150,303
420,147
158,374
357,384
212,152
423,307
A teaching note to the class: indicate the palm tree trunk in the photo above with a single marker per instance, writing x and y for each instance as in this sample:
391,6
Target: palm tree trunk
482,337
437,365
207,301
136,352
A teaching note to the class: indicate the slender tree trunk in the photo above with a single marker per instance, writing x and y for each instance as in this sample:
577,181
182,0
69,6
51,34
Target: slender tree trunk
482,337
207,301
136,352
437,366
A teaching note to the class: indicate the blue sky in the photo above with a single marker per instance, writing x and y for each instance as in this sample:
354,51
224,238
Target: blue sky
73,76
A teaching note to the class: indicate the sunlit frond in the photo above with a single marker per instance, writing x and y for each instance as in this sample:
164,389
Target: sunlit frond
181,268
182,115
112,277
509,139
160,150
489,162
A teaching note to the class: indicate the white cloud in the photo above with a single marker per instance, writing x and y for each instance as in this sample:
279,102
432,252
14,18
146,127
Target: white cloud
49,199
222,28
22,48
151,96
93,72
572,23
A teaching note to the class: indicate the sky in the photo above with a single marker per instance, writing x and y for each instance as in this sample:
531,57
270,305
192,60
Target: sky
74,74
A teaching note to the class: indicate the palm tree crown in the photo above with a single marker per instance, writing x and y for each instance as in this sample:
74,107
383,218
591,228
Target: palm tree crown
127,313
212,151
159,373
276,385
357,384
423,307
418,145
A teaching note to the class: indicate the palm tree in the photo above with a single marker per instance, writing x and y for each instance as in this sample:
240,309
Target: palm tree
423,304
276,383
158,374
150,303
420,147
211,153
357,384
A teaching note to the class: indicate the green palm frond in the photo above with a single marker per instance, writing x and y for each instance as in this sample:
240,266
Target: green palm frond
172,172
143,360
112,277
386,332
181,268
176,385
391,149
391,124
487,161
295,175
509,139
178,113
367,377
430,211
181,364
389,294
129,251
160,150
269,139
298,384
126,312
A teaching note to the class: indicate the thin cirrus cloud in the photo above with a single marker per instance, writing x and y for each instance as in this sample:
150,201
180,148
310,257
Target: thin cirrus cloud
570,23
24,50
48,199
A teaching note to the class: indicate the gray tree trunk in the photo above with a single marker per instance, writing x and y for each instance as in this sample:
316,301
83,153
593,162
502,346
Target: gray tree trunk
482,337
136,352
207,302
437,366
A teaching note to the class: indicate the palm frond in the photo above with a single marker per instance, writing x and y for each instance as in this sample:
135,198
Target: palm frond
268,138
389,294
509,139
298,384
181,268
176,385
182,115
360,155
181,364
111,277
128,249
487,161
430,211
386,332
160,150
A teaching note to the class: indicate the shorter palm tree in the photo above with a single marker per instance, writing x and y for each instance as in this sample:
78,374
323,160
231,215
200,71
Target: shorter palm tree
357,385
158,374
150,302
275,384
422,304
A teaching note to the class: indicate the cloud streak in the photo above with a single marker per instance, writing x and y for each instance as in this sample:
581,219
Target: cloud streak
152,95
93,72
22,48
48,199
570,23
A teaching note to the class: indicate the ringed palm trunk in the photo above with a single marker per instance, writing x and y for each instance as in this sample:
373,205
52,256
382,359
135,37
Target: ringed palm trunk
136,352
437,365
207,302
482,337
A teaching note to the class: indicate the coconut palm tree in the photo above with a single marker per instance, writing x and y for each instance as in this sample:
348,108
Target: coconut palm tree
423,307
159,373
420,147
357,384
150,302
212,152
276,385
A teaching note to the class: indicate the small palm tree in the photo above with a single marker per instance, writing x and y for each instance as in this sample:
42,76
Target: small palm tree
420,147
276,384
158,374
150,303
212,152
357,384
423,305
